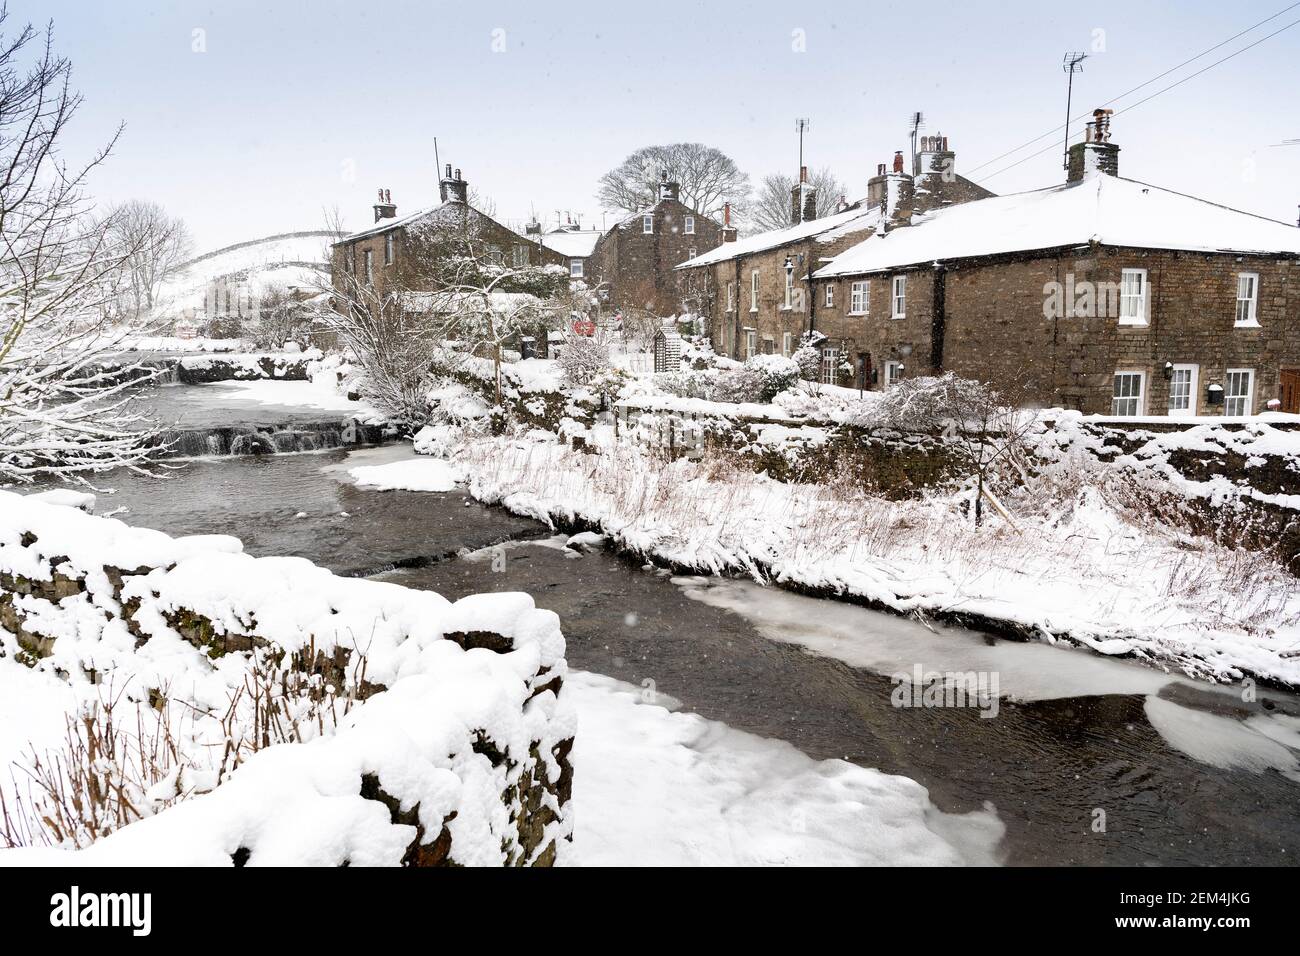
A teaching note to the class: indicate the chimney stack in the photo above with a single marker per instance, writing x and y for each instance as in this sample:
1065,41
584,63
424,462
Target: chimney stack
803,199
728,230
893,192
1096,155
667,190
384,208
453,188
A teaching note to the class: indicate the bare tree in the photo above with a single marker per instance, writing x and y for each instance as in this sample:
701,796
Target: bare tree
62,413
982,426
771,206
708,178
158,243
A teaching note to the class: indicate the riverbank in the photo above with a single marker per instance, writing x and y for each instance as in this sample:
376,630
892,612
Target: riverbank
1090,575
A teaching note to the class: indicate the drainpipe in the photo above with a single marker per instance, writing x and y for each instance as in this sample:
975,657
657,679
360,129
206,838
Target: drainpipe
938,318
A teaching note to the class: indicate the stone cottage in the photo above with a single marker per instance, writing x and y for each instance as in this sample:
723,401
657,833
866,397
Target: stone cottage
632,264
1103,294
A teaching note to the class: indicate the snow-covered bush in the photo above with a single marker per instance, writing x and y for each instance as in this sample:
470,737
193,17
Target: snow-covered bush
772,374
808,356
584,357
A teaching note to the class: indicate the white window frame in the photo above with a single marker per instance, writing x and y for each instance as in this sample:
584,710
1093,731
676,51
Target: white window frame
690,253
1247,400
830,295
753,291
1251,302
769,345
1141,313
1138,399
1193,383
787,344
751,342
576,268
893,372
688,226
789,290
369,259
647,225
731,297
860,297
830,367
390,248
521,258
898,298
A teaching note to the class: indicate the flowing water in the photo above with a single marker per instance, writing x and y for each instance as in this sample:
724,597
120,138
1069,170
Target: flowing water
1087,760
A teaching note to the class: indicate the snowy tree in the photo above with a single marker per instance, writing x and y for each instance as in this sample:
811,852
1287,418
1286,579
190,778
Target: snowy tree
157,244
61,413
982,426
771,206
707,176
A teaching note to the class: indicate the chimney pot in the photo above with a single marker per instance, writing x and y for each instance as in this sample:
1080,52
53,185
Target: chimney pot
803,174
447,174
898,161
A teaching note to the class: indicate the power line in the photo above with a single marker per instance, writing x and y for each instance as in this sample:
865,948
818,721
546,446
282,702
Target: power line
1190,76
1159,76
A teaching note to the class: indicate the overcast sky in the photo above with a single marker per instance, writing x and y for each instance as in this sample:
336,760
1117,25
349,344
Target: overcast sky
292,107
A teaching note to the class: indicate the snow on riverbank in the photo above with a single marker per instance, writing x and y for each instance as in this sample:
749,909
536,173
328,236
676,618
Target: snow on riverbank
657,788
309,394
1087,574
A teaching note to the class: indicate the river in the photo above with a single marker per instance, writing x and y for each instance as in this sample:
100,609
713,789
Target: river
1088,760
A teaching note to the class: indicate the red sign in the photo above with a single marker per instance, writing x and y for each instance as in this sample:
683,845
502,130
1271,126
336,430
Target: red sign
584,328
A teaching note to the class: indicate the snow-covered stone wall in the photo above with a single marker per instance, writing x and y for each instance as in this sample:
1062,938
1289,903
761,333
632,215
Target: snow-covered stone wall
203,369
443,738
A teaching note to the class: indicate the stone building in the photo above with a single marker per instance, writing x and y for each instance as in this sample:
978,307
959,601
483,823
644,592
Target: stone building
570,241
394,254
1103,294
633,263
756,293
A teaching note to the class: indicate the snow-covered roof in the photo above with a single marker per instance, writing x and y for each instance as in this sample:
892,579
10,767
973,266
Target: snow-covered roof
572,243
383,225
825,228
1103,209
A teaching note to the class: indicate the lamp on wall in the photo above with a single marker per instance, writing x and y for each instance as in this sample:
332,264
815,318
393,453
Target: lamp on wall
1169,370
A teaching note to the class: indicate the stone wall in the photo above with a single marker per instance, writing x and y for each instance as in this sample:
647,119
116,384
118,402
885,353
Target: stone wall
458,747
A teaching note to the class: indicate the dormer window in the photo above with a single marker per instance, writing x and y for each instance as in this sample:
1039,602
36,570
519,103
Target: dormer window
647,224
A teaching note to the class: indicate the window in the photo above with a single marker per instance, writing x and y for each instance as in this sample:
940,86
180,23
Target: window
521,257
789,289
689,227
390,248
830,295
1237,401
1133,297
1182,390
575,268
496,255
1247,299
1127,396
769,346
830,366
787,343
751,342
899,298
893,373
647,224
753,291
370,265
731,297
859,298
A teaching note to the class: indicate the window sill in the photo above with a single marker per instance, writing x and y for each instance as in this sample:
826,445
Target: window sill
859,314
895,318
1134,323
1252,324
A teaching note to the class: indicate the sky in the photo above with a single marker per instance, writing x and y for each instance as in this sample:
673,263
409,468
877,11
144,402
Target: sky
252,118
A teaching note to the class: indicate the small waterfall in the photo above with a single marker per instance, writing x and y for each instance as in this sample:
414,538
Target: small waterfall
280,439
